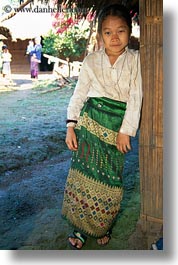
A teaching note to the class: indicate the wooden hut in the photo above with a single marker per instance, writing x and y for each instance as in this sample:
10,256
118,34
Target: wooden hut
151,137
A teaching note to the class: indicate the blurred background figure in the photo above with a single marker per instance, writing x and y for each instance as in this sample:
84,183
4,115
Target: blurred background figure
34,66
38,48
35,58
1,45
6,61
29,49
2,37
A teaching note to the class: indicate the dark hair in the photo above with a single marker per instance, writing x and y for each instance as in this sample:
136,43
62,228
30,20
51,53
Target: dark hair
4,47
114,10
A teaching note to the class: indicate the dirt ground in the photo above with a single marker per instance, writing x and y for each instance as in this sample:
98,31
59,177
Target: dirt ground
34,163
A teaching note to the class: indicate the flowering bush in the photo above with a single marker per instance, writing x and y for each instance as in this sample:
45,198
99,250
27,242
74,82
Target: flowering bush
70,44
70,37
49,44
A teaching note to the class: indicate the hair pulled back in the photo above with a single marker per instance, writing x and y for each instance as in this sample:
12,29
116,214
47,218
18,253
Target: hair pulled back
117,10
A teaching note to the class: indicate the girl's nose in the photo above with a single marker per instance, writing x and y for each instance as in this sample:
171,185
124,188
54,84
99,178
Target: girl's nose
115,37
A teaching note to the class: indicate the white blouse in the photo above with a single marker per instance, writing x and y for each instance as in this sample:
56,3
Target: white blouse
121,81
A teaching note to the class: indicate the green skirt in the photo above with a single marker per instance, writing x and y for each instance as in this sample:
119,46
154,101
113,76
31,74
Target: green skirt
94,189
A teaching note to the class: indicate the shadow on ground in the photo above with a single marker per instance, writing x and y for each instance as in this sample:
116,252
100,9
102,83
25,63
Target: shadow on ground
34,163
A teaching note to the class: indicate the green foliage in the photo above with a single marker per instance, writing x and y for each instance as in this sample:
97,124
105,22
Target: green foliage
49,46
72,43
69,44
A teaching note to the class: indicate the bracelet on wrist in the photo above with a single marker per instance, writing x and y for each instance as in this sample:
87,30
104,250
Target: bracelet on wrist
71,124
68,120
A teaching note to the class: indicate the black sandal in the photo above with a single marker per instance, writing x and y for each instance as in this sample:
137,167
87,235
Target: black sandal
79,236
108,235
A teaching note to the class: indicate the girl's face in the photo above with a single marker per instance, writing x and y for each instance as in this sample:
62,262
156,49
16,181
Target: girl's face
115,35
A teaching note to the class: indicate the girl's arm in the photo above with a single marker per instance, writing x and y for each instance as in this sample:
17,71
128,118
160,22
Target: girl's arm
132,115
75,105
80,94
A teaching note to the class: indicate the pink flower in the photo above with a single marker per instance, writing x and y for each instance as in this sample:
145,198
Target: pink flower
90,16
61,30
70,21
54,24
61,16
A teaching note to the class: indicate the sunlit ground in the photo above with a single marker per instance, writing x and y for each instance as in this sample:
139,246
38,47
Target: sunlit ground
23,81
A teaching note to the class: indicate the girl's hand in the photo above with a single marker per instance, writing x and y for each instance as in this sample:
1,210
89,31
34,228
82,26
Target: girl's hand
123,143
71,139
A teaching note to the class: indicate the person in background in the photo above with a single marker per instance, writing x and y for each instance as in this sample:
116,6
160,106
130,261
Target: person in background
38,48
1,45
34,66
6,61
102,115
29,49
36,58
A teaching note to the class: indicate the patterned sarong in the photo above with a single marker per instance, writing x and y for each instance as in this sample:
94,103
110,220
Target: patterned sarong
93,189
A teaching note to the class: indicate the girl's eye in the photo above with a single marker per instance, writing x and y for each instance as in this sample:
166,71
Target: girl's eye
107,33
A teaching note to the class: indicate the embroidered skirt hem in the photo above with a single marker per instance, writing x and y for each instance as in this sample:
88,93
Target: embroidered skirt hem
94,189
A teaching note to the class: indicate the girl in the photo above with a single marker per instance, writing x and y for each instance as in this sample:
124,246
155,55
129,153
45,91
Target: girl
103,113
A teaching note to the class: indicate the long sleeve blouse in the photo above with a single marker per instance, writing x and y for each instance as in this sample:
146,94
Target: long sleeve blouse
121,81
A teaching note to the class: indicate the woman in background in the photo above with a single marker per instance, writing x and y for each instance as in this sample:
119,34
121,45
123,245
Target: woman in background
29,49
35,58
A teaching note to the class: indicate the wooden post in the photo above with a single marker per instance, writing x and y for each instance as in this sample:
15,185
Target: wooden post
151,133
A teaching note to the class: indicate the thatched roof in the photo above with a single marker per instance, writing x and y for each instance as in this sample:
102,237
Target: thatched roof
83,7
99,3
5,32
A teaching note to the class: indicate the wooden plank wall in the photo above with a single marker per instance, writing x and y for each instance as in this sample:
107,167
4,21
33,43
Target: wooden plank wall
151,136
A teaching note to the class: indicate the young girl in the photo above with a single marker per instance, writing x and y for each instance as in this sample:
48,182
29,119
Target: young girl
103,113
